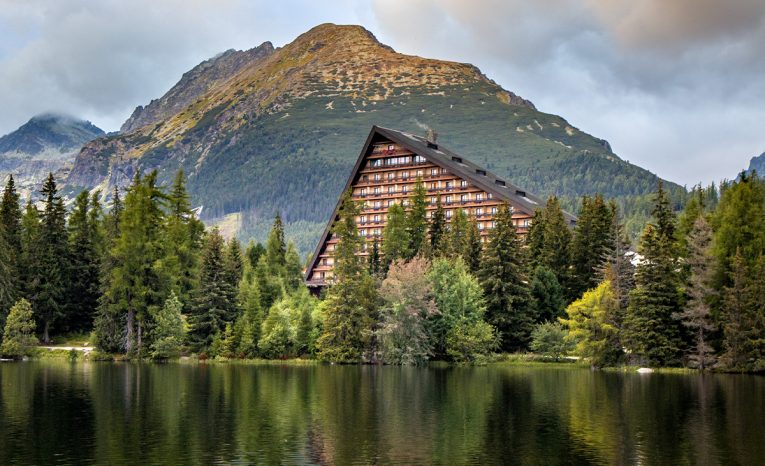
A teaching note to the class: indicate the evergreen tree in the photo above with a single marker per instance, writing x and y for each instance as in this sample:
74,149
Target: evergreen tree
618,268
735,310
254,253
549,241
7,284
214,302
10,229
269,285
18,334
84,287
535,238
276,248
455,239
437,229
293,278
374,261
248,326
168,330
136,283
547,299
351,300
502,277
31,276
697,316
591,244
183,232
396,240
234,263
473,247
50,302
416,220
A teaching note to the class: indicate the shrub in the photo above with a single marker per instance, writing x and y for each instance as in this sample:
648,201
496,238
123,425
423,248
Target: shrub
18,336
549,338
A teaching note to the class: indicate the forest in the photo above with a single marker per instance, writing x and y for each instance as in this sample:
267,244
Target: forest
145,279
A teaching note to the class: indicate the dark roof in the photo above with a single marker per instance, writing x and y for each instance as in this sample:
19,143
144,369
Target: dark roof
444,158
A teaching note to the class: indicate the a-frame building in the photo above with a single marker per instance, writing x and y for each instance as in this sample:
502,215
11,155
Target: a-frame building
388,166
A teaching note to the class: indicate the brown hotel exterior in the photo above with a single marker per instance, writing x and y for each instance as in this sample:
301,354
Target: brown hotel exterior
385,173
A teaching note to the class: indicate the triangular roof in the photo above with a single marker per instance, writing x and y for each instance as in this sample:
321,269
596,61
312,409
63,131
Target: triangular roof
444,158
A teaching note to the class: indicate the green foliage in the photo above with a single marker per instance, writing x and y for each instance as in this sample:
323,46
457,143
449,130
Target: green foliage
650,332
396,238
214,302
288,330
437,229
590,325
416,220
550,241
592,243
547,301
169,329
402,333
550,339
502,276
470,340
351,301
18,333
472,249
456,238
10,241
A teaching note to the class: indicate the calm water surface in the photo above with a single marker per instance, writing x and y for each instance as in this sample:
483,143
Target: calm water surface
119,413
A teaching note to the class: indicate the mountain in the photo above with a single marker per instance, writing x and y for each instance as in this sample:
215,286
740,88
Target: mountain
46,143
280,130
757,164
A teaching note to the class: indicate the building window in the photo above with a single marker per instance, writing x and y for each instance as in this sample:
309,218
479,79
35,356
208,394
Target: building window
405,202
388,203
433,186
434,172
463,184
377,190
375,163
526,223
464,197
494,211
489,196
377,219
433,200
391,189
449,214
479,212
444,171
405,189
363,219
378,204
419,159
479,197
480,226
377,232
363,192
391,175
449,185
377,177
404,175
419,173
362,232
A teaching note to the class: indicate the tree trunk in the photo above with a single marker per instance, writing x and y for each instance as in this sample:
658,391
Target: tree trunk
129,331
46,332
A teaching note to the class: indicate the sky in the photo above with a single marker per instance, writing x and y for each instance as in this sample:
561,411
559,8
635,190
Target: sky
677,87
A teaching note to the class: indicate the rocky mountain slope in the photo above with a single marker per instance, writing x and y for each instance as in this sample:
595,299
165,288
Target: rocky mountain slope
283,130
46,143
757,164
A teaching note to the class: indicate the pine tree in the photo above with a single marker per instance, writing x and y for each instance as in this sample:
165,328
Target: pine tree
396,240
214,302
234,263
276,248
31,276
591,244
168,330
51,296
697,315
547,299
84,287
7,284
473,247
248,326
535,239
136,283
254,253
549,241
437,229
293,277
416,220
270,287
351,299
617,267
10,229
183,239
455,239
502,277
18,332
735,303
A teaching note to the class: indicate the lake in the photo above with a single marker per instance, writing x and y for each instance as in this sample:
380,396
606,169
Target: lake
117,413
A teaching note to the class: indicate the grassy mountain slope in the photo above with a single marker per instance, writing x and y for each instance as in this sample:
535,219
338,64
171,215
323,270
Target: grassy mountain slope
282,133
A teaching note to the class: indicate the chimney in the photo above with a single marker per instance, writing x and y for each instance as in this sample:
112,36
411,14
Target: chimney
431,137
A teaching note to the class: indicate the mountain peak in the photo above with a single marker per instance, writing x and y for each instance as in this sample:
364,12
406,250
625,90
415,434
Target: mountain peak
49,131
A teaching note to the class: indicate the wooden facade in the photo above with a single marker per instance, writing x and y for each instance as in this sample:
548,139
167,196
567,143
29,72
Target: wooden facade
389,165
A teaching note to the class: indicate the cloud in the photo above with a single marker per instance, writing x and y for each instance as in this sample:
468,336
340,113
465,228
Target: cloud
675,86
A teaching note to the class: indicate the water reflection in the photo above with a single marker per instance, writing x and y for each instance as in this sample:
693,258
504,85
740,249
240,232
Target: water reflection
110,413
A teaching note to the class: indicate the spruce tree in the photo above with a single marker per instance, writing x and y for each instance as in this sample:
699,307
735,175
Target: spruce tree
591,244
293,270
276,248
416,220
183,239
547,299
374,261
18,332
50,303
736,299
501,275
84,287
617,267
31,276
396,240
7,284
454,242
437,229
697,314
472,248
351,300
214,301
254,252
234,263
136,283
10,229
556,253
